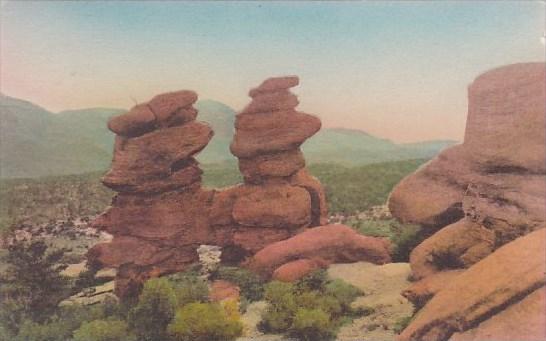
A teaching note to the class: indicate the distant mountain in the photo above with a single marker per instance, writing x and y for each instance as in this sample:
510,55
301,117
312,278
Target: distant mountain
356,147
35,142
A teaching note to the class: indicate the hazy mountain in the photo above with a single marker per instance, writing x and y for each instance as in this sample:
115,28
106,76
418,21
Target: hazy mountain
35,142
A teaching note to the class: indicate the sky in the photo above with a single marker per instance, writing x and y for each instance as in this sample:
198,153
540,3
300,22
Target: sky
398,70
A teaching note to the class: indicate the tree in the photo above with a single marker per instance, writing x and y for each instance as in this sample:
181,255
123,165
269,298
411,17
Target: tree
154,311
32,285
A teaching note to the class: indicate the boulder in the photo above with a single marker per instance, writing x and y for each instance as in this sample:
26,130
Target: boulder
456,246
275,84
259,134
138,121
330,243
292,271
500,280
280,206
282,164
156,154
506,118
270,102
164,106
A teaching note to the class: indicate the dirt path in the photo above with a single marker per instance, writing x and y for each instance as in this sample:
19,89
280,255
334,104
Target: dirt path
381,285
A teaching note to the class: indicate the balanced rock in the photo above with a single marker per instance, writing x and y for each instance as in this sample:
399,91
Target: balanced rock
275,84
327,244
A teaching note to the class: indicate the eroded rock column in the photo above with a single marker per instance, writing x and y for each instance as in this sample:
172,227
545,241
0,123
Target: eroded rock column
159,216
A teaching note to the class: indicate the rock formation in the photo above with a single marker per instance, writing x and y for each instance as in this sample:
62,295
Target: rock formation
489,190
484,204
161,214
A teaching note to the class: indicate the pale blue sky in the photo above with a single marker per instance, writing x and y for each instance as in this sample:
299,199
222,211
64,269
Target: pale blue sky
395,69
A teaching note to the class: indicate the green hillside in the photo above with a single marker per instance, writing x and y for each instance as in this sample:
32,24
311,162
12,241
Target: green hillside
36,142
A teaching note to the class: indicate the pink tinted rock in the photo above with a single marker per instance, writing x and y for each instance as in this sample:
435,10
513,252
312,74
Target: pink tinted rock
274,84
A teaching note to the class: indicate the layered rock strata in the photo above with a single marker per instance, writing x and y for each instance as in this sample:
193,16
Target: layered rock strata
161,214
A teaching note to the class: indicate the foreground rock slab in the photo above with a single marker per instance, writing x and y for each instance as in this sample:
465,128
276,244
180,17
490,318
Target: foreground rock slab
495,283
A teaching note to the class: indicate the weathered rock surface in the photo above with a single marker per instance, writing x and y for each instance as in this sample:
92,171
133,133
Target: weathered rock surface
258,134
329,244
499,281
456,246
297,269
281,164
161,215
275,84
525,320
280,206
419,293
491,189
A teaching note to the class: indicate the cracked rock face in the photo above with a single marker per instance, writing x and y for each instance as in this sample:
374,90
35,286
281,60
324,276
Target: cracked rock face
494,181
484,202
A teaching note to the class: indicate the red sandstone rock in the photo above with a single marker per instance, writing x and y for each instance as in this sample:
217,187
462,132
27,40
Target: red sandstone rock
422,291
179,117
524,320
506,118
173,218
275,84
221,290
331,243
280,206
164,106
269,102
222,204
297,269
155,154
432,196
319,207
258,134
456,246
139,120
253,239
498,281
283,164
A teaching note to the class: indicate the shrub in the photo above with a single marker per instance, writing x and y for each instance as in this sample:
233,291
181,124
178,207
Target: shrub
103,330
310,309
401,324
343,292
189,288
311,325
406,237
205,322
154,310
251,285
64,322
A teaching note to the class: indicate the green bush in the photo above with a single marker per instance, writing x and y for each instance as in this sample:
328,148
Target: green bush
104,330
189,288
154,310
251,285
311,309
311,325
401,324
205,322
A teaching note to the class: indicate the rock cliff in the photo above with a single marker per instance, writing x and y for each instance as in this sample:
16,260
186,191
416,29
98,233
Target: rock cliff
483,203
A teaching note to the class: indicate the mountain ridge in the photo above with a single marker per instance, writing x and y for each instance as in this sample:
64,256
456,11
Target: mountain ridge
35,142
